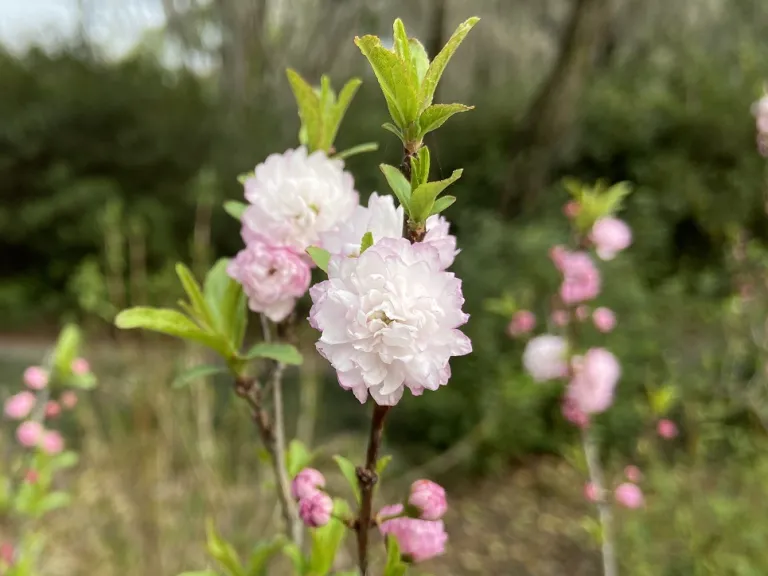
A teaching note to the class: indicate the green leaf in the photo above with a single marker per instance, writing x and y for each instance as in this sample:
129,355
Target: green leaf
437,66
67,349
419,60
394,79
394,566
241,178
262,554
327,539
402,46
382,464
195,295
398,183
349,473
53,501
297,458
191,375
85,381
284,353
172,323
235,208
309,109
420,164
226,302
293,552
327,95
424,196
64,460
442,203
222,551
366,242
395,130
663,399
436,115
359,149
320,257
334,118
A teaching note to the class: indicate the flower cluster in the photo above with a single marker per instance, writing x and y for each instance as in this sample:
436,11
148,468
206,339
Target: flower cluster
627,494
760,111
315,506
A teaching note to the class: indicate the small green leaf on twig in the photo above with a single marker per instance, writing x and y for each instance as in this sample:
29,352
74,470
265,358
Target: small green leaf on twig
359,149
424,196
192,374
320,257
297,458
284,353
235,208
398,183
436,115
349,473
442,203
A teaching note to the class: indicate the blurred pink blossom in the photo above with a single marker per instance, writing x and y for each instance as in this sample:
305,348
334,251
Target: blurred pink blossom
629,495
582,313
52,409
429,498
80,366
19,406
590,492
573,414
595,376
315,510
633,474
31,476
419,540
604,319
581,279
560,318
36,377
523,321
6,554
571,209
69,399
29,433
610,236
667,429
52,442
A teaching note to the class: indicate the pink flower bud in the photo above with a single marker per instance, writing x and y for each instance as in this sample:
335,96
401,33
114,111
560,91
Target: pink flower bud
52,409
52,442
80,366
571,209
523,321
604,319
419,540
629,495
6,554
69,399
590,492
29,433
556,254
31,476
429,498
315,510
610,236
582,313
36,378
19,406
560,318
307,483
633,474
667,429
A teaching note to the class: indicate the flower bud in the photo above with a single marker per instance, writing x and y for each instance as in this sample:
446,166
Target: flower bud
80,366
31,476
52,409
633,474
69,399
590,492
307,483
36,377
523,321
629,495
315,510
429,498
571,209
52,442
604,319
19,405
560,318
667,429
6,554
29,433
419,540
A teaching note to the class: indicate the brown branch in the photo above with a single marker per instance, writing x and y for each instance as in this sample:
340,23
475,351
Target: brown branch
367,478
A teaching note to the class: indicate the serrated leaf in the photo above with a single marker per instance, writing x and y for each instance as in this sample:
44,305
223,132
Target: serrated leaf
320,257
436,115
366,242
172,323
437,66
327,539
284,353
191,375
395,130
355,150
66,350
336,115
235,208
424,196
297,458
195,295
419,60
394,80
222,551
349,473
442,203
262,554
309,109
399,184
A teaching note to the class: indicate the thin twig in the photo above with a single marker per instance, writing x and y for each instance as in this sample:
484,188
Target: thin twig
367,479
603,507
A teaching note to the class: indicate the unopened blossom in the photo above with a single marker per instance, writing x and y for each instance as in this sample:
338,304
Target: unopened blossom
429,499
69,399
571,209
581,278
419,540
20,405
633,474
307,482
381,218
560,318
629,495
52,442
32,476
523,321
610,236
667,429
80,366
573,414
546,357
29,433
595,376
36,377
6,554
604,319
582,312
52,409
315,510
272,278
438,235
389,320
591,492
294,197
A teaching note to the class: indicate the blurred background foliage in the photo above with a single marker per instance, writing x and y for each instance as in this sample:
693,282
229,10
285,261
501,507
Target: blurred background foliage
114,168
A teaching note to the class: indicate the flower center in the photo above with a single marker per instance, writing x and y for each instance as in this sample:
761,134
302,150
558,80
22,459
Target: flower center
381,316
